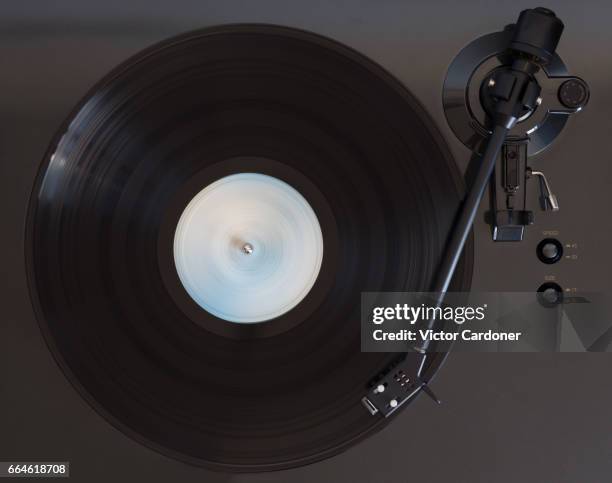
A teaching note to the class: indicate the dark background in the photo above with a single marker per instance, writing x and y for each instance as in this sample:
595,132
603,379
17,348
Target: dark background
504,418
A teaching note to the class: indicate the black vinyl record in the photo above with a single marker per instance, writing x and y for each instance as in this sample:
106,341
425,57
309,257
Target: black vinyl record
107,198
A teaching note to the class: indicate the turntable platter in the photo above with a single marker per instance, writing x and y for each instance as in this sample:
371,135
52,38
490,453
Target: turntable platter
160,365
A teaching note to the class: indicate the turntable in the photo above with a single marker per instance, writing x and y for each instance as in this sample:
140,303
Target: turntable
202,225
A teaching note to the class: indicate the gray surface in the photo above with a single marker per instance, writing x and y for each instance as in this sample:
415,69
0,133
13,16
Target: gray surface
505,417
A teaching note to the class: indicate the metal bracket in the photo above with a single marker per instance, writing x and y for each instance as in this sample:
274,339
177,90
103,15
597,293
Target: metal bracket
508,213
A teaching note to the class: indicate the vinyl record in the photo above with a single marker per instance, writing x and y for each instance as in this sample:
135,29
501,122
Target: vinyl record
102,227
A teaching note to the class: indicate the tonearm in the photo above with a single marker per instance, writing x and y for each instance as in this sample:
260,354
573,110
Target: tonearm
508,94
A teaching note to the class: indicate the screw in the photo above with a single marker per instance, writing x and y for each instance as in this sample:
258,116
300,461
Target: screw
247,248
380,388
393,403
538,101
491,82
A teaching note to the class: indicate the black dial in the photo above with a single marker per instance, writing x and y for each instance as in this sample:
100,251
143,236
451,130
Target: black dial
549,250
550,294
